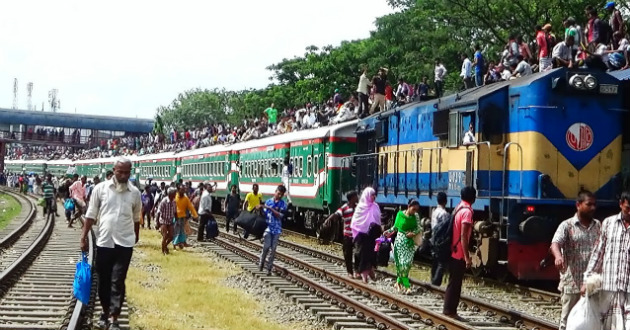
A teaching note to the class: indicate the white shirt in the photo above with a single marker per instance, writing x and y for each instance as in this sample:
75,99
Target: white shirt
466,65
623,44
440,72
469,138
116,213
285,173
601,50
523,68
562,51
205,203
438,215
506,74
364,82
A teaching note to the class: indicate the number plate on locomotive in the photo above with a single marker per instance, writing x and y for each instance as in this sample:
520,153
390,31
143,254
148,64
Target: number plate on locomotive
608,89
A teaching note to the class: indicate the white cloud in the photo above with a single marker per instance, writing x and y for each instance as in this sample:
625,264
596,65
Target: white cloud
126,58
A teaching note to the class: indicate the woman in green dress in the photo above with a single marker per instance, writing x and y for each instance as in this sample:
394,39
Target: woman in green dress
406,225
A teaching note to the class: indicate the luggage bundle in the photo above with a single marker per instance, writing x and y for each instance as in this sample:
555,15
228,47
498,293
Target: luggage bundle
252,222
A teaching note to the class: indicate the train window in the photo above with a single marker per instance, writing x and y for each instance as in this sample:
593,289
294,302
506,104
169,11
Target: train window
315,166
453,129
301,162
309,166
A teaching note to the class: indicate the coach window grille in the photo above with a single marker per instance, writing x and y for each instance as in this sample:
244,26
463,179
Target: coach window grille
309,166
453,129
315,166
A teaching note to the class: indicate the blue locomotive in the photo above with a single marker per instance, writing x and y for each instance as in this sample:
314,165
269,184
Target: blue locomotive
527,145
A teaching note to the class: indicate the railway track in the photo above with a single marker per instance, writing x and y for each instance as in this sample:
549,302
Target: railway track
353,302
473,285
37,275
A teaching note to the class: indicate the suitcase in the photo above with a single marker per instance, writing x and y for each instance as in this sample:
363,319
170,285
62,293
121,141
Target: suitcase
252,223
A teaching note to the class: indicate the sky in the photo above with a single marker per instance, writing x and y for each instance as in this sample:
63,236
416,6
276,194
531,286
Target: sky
126,58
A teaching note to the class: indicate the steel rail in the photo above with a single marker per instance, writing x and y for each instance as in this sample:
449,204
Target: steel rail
14,235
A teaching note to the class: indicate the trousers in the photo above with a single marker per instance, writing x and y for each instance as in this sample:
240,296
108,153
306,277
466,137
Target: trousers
456,269
437,271
270,243
203,220
112,265
348,254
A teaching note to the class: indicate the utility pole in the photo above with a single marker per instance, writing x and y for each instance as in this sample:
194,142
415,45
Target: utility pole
29,96
15,93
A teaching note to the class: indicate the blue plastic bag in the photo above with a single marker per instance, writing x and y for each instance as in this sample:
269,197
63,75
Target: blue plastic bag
69,205
83,280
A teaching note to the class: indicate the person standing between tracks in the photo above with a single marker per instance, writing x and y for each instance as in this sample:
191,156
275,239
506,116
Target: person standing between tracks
183,205
274,211
571,247
366,228
345,213
77,193
439,215
167,211
49,195
611,259
147,206
406,226
253,201
117,205
204,210
460,258
231,206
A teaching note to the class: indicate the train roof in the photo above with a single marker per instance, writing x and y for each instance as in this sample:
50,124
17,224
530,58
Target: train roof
621,74
161,155
72,120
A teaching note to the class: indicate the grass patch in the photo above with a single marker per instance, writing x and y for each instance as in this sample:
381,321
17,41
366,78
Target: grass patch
9,209
186,290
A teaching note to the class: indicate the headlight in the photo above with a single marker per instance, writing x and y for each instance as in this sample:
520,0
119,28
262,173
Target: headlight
590,82
577,81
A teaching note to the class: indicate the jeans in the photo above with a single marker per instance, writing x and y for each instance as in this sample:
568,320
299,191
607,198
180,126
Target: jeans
363,104
112,265
348,254
230,216
479,79
270,243
437,271
456,269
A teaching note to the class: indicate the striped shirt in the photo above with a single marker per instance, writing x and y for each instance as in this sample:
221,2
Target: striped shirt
346,212
610,258
576,242
167,210
49,190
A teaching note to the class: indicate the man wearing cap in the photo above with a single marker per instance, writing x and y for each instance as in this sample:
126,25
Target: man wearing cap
616,21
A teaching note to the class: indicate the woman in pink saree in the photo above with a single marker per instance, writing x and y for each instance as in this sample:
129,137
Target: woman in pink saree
366,228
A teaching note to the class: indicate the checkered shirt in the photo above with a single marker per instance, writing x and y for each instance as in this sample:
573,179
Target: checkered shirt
611,256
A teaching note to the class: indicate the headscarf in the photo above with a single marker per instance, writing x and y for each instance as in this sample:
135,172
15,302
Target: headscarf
366,213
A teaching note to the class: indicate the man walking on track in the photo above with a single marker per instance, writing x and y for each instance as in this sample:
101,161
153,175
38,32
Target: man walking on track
204,210
274,212
460,259
611,259
117,205
571,246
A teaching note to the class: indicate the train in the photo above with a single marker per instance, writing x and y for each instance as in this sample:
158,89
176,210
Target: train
533,143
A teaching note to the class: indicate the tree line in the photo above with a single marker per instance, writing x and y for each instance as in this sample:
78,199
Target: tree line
407,42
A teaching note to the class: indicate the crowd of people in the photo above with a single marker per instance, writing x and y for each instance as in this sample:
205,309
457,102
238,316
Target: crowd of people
597,44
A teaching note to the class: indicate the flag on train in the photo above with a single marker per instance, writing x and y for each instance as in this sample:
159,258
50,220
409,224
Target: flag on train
82,286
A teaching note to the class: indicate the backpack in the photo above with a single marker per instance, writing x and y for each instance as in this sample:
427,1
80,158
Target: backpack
442,237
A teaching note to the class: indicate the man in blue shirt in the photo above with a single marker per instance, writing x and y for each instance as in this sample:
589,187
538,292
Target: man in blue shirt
479,66
274,212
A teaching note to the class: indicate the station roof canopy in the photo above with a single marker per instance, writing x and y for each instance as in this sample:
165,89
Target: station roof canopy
72,120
